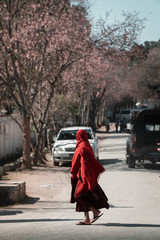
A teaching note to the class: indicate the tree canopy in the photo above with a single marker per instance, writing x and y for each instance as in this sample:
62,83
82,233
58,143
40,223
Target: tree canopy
48,49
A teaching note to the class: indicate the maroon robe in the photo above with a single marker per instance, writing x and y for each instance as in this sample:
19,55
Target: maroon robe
85,172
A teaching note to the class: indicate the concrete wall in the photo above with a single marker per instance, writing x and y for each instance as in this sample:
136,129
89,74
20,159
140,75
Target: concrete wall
11,193
11,141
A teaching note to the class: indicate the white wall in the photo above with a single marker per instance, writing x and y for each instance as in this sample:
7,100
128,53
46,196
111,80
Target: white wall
11,141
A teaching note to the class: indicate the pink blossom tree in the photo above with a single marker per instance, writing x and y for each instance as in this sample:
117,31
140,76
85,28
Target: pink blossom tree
112,52
46,46
39,40
147,75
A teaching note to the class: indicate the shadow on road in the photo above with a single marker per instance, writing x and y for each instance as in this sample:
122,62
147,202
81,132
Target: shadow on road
129,225
138,225
113,206
110,161
37,220
118,164
148,166
9,212
110,150
115,136
30,200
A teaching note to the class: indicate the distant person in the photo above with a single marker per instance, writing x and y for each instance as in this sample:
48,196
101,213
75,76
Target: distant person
117,123
107,125
86,191
123,125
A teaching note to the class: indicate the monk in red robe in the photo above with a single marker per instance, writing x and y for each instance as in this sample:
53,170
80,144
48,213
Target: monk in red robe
86,191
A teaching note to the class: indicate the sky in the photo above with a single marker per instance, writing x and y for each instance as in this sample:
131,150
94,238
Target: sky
145,8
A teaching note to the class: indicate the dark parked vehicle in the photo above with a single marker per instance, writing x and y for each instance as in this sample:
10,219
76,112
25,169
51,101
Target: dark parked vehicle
144,136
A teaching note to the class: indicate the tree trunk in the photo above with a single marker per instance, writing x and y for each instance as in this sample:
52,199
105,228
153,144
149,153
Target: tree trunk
26,142
92,116
38,156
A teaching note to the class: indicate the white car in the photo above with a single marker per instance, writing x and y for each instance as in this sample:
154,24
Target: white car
65,144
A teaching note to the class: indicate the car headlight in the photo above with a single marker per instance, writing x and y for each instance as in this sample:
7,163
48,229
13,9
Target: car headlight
59,149
93,147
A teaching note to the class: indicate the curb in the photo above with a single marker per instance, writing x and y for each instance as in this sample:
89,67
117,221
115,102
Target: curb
9,167
11,193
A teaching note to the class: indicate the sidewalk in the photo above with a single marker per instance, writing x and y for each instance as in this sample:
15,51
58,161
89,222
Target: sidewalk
112,128
42,183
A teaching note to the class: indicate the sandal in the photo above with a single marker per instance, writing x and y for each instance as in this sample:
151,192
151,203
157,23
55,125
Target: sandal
83,223
96,217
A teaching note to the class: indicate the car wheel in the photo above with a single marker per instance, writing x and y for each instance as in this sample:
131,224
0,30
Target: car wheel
127,157
56,163
131,161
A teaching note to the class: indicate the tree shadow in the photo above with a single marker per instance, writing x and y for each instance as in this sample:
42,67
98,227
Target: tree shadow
30,200
110,161
137,225
148,166
9,212
144,167
63,167
36,220
113,206
102,137
116,136
101,132
116,150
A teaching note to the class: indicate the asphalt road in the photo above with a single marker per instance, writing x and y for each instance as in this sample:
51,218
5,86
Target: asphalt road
133,194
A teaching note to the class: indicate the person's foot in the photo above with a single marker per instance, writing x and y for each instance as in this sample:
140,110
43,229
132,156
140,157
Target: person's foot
95,218
83,223
96,213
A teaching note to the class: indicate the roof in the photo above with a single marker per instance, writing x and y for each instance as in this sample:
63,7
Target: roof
151,114
148,111
75,128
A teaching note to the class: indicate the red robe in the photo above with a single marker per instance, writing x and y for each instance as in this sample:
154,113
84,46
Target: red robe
85,168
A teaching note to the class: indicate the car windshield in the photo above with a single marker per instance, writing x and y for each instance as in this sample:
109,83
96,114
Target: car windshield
71,134
125,112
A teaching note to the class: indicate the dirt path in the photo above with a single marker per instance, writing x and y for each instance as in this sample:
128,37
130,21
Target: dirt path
43,182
